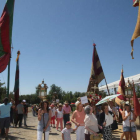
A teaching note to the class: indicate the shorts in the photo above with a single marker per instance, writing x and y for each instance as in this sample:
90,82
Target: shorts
127,129
4,122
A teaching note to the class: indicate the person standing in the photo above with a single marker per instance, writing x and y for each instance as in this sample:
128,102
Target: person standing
91,123
20,111
129,118
5,115
44,118
59,116
66,111
25,112
78,119
106,120
52,107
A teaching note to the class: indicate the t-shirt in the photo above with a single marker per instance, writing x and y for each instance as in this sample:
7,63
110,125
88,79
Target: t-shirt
59,113
53,111
66,133
20,108
5,110
25,109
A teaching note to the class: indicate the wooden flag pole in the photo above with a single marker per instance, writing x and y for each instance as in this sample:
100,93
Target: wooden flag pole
107,87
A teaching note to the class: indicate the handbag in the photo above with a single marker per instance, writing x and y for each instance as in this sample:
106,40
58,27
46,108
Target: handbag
114,125
98,137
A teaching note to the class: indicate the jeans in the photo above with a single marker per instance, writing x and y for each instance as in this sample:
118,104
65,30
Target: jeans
39,135
127,128
25,117
66,118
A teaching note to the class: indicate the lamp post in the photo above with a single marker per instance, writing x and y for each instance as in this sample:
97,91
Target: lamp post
42,88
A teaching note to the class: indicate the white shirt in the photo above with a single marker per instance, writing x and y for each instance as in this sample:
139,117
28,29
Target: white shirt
108,119
59,113
91,122
126,122
53,111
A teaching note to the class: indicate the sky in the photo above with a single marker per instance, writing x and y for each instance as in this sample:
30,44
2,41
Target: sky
55,38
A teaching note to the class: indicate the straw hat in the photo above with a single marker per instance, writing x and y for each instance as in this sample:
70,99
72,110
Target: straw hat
77,103
60,104
66,102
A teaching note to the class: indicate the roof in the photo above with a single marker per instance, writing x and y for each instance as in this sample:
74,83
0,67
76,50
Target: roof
135,78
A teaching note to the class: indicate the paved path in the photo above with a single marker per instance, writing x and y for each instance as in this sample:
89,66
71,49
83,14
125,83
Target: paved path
29,133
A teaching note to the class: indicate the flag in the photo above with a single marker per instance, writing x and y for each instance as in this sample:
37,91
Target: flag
96,69
121,90
136,103
136,31
135,3
16,88
6,23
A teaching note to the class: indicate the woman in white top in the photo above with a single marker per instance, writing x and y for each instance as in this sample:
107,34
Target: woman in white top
91,123
105,120
59,116
129,117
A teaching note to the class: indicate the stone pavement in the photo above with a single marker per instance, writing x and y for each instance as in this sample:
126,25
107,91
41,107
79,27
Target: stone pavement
30,132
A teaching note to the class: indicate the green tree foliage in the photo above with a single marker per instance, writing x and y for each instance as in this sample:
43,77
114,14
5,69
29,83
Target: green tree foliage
2,91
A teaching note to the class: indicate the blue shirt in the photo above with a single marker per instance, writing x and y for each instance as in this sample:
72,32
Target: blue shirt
5,110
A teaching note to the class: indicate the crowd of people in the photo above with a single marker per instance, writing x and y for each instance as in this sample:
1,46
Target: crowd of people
90,122
12,115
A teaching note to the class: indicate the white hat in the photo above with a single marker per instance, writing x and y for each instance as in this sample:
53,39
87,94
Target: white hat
77,103
127,102
24,101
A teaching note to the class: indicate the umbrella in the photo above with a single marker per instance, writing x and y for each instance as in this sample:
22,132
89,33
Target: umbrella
107,98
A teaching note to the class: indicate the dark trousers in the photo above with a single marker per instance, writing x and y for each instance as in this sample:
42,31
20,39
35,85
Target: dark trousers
87,136
66,118
20,117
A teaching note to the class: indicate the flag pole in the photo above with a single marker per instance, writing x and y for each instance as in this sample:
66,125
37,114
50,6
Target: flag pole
107,87
8,79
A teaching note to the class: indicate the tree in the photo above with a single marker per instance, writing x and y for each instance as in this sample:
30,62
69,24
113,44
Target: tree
2,92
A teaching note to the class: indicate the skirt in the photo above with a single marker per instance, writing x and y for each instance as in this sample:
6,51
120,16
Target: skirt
107,133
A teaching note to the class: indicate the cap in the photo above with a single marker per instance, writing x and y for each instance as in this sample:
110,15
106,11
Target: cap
68,122
24,101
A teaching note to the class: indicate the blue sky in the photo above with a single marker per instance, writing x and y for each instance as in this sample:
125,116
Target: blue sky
55,38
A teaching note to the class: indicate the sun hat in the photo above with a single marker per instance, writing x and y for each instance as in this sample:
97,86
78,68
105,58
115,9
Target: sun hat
60,104
127,103
77,103
66,102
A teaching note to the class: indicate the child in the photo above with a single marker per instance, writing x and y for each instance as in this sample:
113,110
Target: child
59,117
66,131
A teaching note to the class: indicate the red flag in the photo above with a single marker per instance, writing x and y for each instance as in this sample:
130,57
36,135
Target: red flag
121,90
6,22
16,88
96,69
136,103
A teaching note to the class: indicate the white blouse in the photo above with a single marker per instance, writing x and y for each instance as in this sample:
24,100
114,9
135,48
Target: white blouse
91,122
108,119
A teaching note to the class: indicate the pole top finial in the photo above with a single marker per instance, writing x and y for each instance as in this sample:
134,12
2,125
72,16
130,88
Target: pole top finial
94,44
18,52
